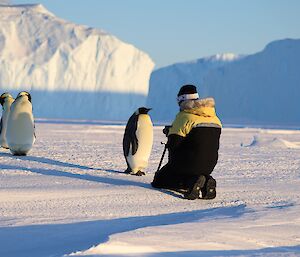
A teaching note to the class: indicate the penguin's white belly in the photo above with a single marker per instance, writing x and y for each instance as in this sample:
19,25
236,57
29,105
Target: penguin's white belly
144,134
20,129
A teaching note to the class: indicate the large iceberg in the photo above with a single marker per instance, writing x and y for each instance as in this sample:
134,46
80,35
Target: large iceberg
257,89
263,88
165,82
72,71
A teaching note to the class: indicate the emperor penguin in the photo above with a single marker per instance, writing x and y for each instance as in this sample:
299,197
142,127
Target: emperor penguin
137,141
6,100
20,134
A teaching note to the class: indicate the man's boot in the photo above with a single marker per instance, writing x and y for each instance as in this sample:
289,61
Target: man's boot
194,191
209,189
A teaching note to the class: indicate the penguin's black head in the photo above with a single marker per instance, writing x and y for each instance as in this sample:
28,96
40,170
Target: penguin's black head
25,93
143,110
3,97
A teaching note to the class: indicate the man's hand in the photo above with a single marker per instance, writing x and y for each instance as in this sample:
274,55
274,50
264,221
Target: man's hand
166,130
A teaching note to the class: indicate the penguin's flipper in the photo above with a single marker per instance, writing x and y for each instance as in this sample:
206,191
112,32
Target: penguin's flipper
135,145
130,138
126,145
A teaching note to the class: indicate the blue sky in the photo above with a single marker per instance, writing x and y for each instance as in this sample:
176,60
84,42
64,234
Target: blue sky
173,31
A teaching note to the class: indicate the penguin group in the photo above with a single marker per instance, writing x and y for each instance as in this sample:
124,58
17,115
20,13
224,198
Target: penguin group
17,130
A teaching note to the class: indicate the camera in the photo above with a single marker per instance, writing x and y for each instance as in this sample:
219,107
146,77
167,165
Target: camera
166,130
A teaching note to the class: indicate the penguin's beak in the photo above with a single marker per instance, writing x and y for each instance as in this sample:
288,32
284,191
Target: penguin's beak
147,110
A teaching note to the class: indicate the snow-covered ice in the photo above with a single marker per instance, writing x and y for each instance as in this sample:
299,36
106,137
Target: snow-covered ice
69,197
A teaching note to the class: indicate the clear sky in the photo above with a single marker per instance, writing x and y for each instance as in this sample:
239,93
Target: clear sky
173,31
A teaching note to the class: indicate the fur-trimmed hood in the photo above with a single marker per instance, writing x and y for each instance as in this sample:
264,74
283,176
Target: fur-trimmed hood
202,107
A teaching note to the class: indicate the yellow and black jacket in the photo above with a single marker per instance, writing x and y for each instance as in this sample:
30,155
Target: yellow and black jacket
193,142
197,113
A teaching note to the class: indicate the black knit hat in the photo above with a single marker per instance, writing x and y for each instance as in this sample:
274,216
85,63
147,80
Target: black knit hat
187,92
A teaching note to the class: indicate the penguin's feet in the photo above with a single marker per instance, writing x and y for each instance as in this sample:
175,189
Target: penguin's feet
139,173
19,154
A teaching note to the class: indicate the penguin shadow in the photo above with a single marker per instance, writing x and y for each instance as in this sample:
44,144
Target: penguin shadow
49,161
57,163
86,177
111,171
53,172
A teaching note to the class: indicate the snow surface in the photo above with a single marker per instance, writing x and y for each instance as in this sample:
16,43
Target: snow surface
262,88
72,71
69,197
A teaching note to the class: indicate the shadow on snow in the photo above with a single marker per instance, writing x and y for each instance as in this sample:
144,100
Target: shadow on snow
87,177
55,162
46,161
59,239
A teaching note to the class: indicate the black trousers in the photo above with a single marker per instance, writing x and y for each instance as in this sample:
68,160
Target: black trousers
168,179
195,155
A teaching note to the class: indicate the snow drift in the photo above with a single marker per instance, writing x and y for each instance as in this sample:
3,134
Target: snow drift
72,71
262,88
259,141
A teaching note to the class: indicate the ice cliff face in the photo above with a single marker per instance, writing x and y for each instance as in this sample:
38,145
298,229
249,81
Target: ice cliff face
263,88
72,71
165,82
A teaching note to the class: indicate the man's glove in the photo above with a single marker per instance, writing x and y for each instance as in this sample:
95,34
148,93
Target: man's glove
166,130
173,144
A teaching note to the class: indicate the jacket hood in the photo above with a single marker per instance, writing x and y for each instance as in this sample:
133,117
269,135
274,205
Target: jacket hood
201,107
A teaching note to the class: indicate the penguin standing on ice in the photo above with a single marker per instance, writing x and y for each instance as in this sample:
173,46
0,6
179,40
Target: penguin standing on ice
20,134
6,100
137,141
